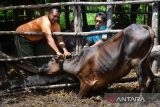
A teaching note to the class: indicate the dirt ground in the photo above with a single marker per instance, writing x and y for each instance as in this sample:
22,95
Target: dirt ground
68,97
61,97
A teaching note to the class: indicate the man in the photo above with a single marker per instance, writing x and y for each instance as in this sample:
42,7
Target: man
47,24
100,24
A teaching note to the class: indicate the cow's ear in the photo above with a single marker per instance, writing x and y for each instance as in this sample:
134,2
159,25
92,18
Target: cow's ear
53,68
55,59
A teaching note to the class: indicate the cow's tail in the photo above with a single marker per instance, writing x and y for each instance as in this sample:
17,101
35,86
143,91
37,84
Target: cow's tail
150,74
152,35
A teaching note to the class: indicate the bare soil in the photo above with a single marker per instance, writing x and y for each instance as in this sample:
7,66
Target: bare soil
69,97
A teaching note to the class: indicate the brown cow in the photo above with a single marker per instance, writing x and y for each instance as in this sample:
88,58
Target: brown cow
98,66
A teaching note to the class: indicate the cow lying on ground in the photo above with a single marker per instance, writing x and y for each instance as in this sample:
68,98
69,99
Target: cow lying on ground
98,66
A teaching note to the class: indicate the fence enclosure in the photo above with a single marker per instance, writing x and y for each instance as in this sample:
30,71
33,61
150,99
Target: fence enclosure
78,24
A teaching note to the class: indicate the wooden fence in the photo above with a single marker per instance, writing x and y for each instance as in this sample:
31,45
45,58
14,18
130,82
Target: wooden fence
78,24
78,3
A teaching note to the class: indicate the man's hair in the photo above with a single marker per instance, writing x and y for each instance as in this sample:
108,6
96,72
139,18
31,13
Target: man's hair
102,15
53,9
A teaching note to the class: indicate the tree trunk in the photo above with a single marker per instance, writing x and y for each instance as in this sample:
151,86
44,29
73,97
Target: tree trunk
67,21
149,15
134,8
85,24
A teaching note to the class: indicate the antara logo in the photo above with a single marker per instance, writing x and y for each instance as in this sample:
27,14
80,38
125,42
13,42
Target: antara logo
130,99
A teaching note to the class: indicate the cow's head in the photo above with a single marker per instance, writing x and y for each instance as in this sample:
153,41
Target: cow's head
51,68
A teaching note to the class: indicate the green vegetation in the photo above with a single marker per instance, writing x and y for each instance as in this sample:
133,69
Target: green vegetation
62,21
121,18
91,18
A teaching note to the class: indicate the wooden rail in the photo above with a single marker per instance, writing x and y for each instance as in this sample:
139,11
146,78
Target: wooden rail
77,3
78,32
3,33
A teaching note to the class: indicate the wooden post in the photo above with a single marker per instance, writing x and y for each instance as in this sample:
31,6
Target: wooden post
67,18
155,28
77,26
3,69
109,15
85,24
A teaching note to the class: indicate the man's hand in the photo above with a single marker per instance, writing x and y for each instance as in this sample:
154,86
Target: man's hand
60,55
66,53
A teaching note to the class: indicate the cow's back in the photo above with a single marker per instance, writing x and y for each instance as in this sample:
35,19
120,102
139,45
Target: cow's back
138,41
119,55
96,67
74,65
134,42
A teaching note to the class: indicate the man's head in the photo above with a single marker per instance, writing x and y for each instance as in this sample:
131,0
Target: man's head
54,15
100,19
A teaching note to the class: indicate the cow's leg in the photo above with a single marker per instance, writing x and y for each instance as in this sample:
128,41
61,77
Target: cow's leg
139,77
145,79
84,88
146,71
145,76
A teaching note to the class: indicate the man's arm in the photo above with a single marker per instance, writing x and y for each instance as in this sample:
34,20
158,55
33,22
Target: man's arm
52,43
102,40
98,43
48,34
61,41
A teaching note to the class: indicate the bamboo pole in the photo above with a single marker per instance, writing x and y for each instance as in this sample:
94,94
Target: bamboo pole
11,59
65,85
94,11
54,86
155,28
77,3
82,34
27,89
4,57
78,26
109,15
